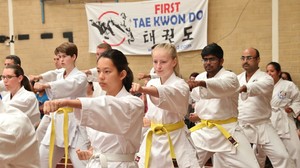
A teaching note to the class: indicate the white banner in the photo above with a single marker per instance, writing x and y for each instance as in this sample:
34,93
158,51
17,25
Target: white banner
134,27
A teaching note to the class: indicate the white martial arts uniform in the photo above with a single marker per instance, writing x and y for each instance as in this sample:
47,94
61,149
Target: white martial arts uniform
18,144
287,93
71,87
94,78
114,127
25,101
46,77
169,108
51,75
219,101
254,117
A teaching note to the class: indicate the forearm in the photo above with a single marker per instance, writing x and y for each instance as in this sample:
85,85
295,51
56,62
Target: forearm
150,90
71,103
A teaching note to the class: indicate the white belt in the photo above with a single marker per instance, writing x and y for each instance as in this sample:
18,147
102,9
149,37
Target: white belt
251,131
111,157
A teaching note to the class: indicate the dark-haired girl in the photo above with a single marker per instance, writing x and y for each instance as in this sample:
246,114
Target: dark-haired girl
20,92
116,118
285,107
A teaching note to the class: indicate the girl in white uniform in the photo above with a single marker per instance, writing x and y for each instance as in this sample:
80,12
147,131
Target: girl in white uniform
114,119
20,93
70,84
166,143
285,107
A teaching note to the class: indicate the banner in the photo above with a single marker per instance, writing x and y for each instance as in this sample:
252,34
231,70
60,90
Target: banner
134,27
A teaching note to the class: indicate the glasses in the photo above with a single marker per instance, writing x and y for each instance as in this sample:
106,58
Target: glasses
247,58
6,77
212,59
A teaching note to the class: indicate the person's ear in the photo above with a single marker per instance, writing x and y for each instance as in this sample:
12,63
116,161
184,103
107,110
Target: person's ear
123,74
20,78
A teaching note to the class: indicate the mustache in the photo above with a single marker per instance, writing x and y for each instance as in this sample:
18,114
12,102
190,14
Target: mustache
245,64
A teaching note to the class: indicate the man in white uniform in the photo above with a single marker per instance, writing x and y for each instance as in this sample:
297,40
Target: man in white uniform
18,144
216,96
255,109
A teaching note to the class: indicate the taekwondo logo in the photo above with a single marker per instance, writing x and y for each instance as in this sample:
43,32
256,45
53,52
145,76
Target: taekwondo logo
113,26
282,95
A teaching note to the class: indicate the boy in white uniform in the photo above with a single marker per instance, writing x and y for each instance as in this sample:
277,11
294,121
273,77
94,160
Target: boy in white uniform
70,84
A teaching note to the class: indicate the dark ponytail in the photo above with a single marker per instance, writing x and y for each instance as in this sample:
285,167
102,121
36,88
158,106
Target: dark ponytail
20,72
127,81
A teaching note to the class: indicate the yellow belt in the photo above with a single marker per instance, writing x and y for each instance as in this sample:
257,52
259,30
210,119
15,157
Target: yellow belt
218,124
65,111
161,129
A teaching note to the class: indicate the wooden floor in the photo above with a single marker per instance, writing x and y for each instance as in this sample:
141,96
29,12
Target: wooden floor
61,164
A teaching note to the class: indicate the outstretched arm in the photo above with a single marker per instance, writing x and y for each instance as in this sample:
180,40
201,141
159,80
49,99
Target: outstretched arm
53,105
150,90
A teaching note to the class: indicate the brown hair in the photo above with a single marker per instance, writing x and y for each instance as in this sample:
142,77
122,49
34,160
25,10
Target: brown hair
68,48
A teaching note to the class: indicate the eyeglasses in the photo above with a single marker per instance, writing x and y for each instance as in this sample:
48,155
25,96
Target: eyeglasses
212,59
247,58
6,77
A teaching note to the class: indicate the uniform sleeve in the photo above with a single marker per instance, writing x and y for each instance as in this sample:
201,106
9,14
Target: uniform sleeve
223,86
7,145
174,98
94,75
29,105
67,87
50,75
263,85
110,114
295,97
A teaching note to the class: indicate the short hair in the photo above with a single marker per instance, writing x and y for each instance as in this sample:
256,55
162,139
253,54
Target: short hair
17,60
212,49
68,48
105,46
56,51
256,52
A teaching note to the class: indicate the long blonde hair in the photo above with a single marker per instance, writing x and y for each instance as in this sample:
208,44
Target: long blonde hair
173,52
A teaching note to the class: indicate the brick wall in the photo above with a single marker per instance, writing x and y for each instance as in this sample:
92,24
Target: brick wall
235,25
